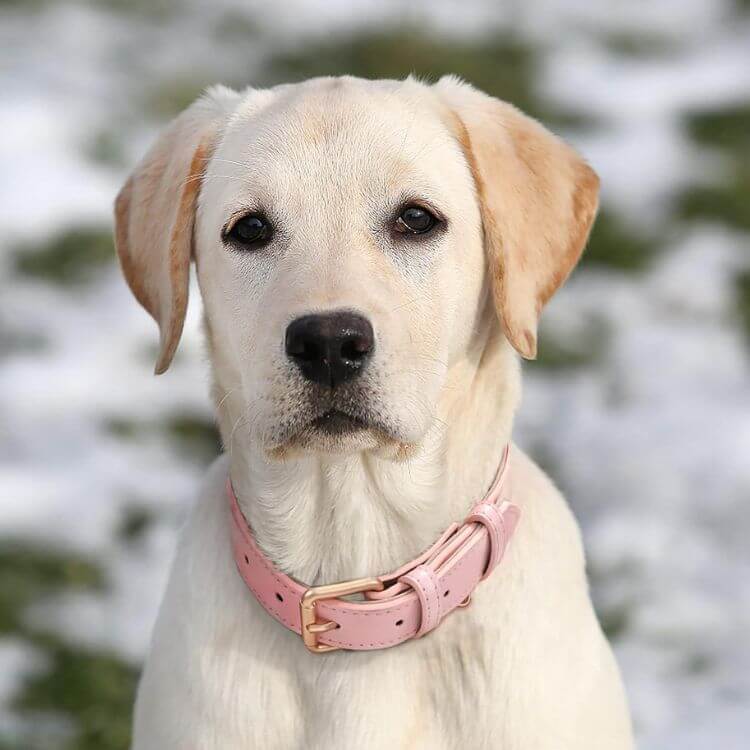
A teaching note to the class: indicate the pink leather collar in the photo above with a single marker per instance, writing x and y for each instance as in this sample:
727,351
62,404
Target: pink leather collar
407,603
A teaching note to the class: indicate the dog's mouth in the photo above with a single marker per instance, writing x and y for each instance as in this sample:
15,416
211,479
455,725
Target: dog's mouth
337,423
339,428
351,419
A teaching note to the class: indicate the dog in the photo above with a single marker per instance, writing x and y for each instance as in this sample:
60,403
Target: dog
372,257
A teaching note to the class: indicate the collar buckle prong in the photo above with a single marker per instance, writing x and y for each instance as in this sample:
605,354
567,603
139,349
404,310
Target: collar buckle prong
308,618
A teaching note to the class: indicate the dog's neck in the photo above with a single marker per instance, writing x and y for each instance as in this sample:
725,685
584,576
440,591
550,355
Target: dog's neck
322,518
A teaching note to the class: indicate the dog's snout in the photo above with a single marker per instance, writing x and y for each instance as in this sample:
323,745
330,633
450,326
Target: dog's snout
330,348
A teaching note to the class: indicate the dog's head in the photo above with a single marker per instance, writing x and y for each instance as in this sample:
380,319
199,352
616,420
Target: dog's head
350,237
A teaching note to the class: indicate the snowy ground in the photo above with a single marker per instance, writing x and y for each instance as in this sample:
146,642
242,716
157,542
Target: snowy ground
639,405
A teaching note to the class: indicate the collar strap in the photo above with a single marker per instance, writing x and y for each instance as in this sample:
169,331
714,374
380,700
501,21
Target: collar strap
407,603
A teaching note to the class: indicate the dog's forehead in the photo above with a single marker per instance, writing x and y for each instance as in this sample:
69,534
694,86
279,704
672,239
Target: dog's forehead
344,130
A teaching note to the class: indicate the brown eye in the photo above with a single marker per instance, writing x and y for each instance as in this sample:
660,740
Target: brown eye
250,231
415,220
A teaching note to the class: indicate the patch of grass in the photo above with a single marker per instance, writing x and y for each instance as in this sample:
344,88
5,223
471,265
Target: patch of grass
501,65
742,291
26,5
641,45
195,436
727,128
124,428
93,689
105,148
153,10
584,349
13,342
134,522
169,97
615,245
727,202
615,615
70,257
698,663
614,620
234,26
29,572
728,131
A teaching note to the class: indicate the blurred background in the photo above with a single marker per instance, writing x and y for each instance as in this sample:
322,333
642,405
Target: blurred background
639,404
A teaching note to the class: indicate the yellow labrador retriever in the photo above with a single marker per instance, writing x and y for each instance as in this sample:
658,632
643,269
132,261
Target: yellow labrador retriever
371,256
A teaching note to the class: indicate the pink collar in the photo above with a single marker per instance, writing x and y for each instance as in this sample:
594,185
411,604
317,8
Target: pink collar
404,604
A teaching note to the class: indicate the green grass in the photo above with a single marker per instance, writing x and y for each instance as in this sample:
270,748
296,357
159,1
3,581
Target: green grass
727,202
70,257
742,290
91,689
106,148
29,572
618,246
151,10
699,663
641,45
13,342
135,521
26,6
501,65
727,128
614,620
236,27
167,98
557,353
615,617
194,435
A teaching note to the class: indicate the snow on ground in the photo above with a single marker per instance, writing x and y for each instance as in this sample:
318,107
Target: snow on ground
648,431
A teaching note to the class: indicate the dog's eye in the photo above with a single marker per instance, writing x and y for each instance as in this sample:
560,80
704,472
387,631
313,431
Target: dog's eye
415,220
250,231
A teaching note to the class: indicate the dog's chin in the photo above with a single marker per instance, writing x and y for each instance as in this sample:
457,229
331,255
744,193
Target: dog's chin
337,432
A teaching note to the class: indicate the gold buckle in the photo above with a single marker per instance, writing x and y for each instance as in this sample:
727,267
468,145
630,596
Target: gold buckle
309,624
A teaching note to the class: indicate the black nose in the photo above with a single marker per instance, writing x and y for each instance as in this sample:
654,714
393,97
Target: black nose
331,348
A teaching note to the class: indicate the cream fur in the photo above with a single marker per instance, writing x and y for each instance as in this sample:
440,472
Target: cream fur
526,665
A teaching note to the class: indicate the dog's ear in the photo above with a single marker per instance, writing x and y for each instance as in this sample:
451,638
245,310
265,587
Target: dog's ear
538,201
155,215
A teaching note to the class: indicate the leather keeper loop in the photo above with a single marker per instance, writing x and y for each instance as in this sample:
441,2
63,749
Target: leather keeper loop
424,582
490,517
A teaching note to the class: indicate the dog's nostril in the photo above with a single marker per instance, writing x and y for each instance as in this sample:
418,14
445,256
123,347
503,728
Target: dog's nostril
355,348
307,350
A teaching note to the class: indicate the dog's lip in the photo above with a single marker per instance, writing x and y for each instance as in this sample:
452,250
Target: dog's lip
337,422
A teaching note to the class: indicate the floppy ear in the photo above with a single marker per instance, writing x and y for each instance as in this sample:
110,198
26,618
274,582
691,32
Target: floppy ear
155,215
538,200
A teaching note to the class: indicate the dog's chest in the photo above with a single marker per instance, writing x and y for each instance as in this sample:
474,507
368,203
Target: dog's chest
431,694
519,669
